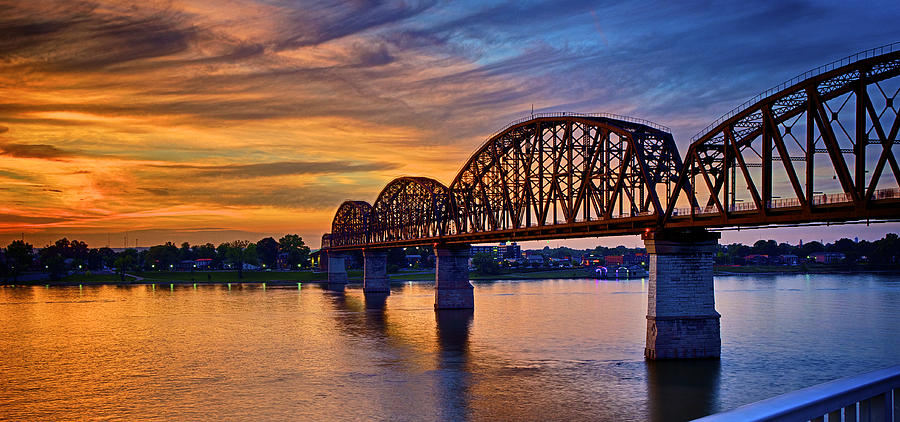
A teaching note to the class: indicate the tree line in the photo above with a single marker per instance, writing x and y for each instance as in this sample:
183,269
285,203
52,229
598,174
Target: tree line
65,256
880,252
885,251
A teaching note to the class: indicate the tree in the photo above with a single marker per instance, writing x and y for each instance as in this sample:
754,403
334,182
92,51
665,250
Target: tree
267,251
78,251
885,251
95,260
20,256
396,259
206,251
163,257
185,253
765,247
235,253
124,262
52,258
811,247
485,264
54,263
251,255
108,256
297,251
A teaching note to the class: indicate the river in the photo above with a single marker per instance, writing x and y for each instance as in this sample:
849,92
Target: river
531,350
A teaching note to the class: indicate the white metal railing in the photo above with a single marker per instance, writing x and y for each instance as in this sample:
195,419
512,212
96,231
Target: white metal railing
872,52
871,396
823,199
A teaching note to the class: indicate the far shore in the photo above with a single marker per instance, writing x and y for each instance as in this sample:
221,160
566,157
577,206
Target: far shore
355,276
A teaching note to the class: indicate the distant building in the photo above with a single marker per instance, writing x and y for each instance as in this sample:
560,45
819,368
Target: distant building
626,259
203,263
756,259
790,260
499,252
318,259
592,260
641,258
827,257
556,262
185,265
414,261
534,260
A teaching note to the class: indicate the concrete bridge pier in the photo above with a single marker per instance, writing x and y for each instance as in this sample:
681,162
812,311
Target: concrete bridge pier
682,322
452,289
337,270
375,279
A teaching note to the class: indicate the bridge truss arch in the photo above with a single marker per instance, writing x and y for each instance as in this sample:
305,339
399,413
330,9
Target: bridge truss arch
351,224
820,147
411,208
565,169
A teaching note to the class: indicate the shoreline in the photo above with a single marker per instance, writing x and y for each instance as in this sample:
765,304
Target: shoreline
404,278
717,272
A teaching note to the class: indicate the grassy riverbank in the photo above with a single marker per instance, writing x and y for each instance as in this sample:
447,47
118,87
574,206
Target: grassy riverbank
174,277
802,269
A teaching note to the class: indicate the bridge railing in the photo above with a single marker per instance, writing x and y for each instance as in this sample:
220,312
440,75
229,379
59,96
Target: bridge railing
823,199
568,114
877,51
886,194
834,198
873,396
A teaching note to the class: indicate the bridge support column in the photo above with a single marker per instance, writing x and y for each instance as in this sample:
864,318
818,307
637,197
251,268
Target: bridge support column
452,289
337,271
375,277
682,321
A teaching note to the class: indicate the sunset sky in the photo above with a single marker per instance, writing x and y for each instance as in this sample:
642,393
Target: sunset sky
218,120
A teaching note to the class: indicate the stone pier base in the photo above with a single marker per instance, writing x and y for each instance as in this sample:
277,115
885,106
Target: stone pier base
682,322
337,272
375,278
452,289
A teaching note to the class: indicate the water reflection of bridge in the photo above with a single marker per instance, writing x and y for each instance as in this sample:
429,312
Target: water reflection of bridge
816,149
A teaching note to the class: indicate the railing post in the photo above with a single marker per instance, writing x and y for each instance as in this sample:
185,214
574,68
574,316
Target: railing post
879,409
834,416
865,410
850,413
895,400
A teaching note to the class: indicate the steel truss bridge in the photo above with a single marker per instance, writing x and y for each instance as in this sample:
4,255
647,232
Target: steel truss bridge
817,149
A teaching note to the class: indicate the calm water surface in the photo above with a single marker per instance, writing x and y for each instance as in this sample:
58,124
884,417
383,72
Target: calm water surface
543,350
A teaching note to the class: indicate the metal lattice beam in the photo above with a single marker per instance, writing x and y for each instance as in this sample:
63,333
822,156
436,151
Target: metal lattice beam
817,149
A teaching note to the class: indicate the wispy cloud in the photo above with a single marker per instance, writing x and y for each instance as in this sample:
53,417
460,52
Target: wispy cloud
283,168
48,152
